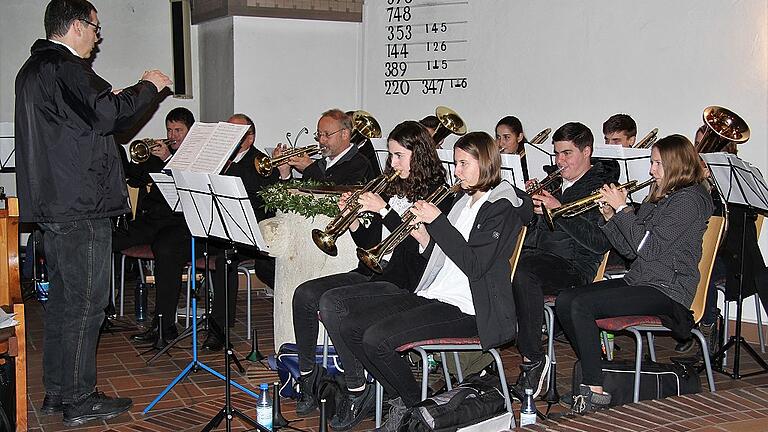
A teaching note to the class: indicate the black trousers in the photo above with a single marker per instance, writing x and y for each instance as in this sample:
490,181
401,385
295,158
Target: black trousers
370,320
169,239
578,309
538,274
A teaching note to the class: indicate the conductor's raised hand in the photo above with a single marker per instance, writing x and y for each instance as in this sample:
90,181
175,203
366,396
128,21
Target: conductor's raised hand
159,79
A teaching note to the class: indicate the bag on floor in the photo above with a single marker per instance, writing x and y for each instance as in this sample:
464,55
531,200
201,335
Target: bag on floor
476,399
286,363
657,380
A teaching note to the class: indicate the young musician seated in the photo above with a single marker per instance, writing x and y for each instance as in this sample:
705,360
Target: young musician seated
563,258
620,129
411,151
464,291
664,238
511,139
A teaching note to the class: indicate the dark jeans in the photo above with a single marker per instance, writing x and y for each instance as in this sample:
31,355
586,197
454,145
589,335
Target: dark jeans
538,274
78,259
264,267
370,320
169,239
578,309
710,308
306,301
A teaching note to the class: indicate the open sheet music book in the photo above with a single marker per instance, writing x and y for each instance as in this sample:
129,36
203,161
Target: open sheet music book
511,167
739,181
207,147
167,188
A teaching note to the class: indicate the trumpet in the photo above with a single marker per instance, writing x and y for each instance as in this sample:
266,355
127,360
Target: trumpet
364,127
140,150
647,140
264,164
538,139
450,123
326,239
372,257
723,127
587,203
545,185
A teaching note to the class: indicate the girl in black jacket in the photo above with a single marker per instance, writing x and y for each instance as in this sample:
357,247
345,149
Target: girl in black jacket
464,292
664,239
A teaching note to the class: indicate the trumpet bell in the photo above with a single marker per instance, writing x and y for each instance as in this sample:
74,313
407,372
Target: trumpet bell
450,123
263,165
370,259
326,242
139,151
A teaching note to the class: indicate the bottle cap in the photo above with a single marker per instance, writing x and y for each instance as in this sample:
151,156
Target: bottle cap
263,386
529,391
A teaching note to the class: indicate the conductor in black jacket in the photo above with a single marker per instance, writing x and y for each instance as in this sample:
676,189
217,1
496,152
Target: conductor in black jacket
341,164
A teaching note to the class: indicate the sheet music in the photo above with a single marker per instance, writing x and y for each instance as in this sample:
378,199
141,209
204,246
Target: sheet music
382,152
512,170
236,211
538,156
167,187
7,146
635,164
739,181
207,147
197,203
446,157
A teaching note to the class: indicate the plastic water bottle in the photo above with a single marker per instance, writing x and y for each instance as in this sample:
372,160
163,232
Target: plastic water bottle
264,407
140,301
42,282
528,410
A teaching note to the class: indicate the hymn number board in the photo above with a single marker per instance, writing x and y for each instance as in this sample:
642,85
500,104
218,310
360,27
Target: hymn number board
426,46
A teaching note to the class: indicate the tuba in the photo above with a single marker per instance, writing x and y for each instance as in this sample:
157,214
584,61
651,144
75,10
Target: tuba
587,203
372,257
647,140
264,164
723,127
140,150
450,123
364,127
326,239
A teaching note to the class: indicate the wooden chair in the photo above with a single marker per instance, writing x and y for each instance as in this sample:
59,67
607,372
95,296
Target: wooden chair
650,324
13,340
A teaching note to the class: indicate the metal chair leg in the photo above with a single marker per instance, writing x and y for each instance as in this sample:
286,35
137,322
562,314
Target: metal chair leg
379,403
651,348
638,363
705,353
503,381
424,371
446,373
459,372
759,312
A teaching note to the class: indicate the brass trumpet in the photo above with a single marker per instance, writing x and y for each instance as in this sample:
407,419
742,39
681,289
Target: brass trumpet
723,127
647,140
450,123
372,257
326,239
545,185
364,127
140,150
264,164
587,203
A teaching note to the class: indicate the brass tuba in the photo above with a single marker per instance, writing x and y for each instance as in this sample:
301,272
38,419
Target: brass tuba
372,257
364,127
264,164
723,127
140,150
326,239
450,123
587,203
647,140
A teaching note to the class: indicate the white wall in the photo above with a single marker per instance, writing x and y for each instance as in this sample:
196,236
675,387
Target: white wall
216,69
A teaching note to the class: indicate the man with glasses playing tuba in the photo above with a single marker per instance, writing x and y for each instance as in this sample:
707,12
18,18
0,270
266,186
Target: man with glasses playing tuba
341,163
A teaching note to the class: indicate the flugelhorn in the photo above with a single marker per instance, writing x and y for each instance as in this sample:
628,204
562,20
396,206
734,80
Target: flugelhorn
264,164
450,123
140,150
545,185
647,140
372,257
364,127
538,139
723,127
326,239
587,203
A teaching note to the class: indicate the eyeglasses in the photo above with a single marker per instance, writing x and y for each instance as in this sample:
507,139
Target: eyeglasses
326,135
95,26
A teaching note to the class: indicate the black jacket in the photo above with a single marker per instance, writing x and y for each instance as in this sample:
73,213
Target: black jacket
67,164
253,181
484,258
353,168
577,239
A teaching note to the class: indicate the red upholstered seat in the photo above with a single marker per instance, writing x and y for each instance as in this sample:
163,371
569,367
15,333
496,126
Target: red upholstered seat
439,341
200,263
621,323
139,251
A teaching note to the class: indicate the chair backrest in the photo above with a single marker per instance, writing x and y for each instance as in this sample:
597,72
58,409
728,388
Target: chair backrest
601,270
709,244
518,249
759,224
10,290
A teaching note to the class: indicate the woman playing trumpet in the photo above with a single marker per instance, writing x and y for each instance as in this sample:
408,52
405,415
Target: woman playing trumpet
412,153
664,239
463,292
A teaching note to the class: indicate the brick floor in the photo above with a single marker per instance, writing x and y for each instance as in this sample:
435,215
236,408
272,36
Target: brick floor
739,405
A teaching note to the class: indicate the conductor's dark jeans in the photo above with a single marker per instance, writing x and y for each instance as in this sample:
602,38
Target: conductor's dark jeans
78,258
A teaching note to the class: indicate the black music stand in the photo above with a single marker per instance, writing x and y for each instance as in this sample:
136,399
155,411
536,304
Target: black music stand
217,206
742,185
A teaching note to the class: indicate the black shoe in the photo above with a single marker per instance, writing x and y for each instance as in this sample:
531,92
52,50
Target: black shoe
150,335
306,404
212,342
51,404
532,376
97,406
397,411
588,401
711,335
685,347
353,409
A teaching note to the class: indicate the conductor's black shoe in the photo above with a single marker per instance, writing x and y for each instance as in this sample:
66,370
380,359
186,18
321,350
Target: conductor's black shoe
212,342
51,404
353,409
97,406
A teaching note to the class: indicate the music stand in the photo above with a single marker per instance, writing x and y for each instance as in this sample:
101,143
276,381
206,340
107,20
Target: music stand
511,168
634,164
216,206
743,185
